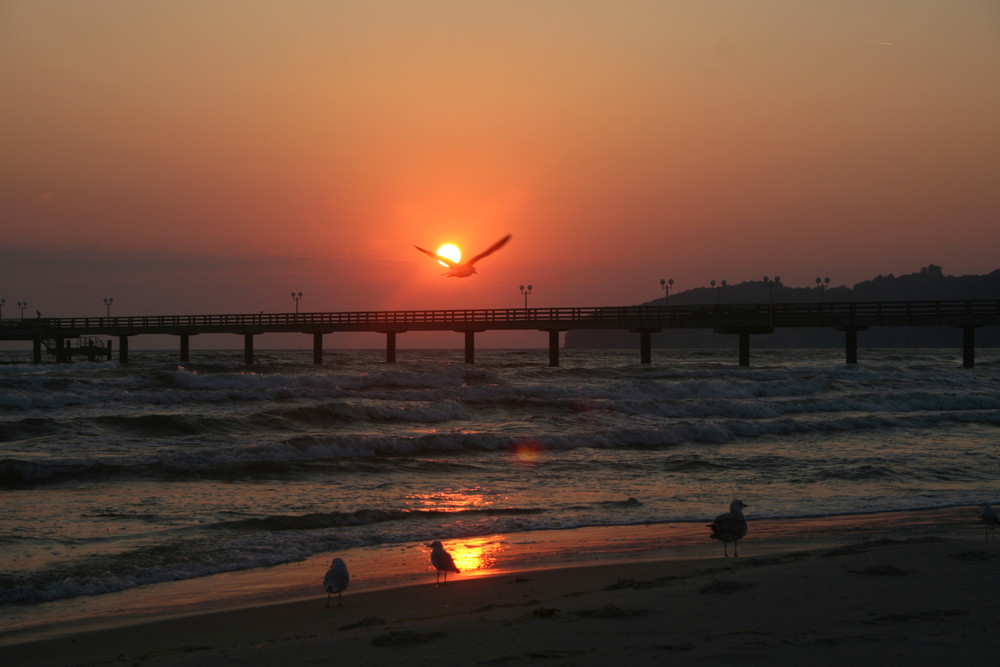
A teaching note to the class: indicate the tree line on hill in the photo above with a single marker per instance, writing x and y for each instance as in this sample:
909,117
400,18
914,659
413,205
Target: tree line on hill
928,284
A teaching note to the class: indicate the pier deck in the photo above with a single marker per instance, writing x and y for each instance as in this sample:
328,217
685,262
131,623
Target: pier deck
743,320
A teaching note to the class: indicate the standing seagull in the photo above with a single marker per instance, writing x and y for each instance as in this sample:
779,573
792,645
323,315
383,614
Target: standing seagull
990,519
730,527
465,269
441,560
336,580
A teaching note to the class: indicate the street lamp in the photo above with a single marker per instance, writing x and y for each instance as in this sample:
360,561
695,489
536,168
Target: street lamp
770,286
525,291
22,305
107,305
771,283
665,285
297,296
822,285
718,292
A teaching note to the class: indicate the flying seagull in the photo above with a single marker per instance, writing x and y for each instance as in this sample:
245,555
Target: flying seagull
464,269
990,519
336,580
730,527
442,561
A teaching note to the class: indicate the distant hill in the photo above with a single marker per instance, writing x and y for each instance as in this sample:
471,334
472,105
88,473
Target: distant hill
929,283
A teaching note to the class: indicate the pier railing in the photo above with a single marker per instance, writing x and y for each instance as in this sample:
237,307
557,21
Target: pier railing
883,313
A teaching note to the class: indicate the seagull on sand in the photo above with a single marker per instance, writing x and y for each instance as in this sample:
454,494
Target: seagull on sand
336,580
730,527
464,269
442,561
990,519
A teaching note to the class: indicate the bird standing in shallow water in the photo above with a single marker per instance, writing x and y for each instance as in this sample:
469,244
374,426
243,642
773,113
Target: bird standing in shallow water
442,561
730,527
990,520
336,580
464,269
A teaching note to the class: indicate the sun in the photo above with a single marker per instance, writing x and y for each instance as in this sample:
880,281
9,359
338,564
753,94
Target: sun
451,252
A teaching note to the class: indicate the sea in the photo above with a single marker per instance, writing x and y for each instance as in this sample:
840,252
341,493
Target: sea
118,477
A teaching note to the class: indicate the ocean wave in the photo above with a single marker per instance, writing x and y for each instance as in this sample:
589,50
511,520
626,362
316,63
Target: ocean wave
260,542
180,448
320,520
348,411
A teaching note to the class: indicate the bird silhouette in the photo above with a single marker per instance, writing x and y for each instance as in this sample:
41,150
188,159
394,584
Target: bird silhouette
442,561
730,527
336,580
990,520
464,269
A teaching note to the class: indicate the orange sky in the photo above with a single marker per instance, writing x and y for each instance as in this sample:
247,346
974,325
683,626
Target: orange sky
205,156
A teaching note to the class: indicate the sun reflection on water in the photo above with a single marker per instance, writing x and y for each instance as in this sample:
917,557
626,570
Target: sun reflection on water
474,556
447,501
527,452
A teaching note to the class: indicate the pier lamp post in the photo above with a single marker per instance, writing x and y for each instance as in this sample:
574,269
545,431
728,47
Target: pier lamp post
107,305
722,288
525,291
22,305
822,285
297,296
665,285
770,286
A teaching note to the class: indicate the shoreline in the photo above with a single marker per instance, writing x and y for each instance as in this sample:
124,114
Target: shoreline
917,601
395,567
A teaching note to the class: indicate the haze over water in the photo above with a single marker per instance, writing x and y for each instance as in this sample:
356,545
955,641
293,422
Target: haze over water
114,476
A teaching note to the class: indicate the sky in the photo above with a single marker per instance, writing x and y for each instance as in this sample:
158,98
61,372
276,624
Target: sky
208,156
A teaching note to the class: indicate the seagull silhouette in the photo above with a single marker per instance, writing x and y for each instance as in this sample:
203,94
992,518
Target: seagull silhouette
990,519
442,561
464,269
336,580
730,527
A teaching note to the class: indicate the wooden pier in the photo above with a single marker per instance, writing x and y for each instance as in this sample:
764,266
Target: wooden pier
742,320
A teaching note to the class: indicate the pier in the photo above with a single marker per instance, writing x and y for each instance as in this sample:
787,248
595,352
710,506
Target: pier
741,320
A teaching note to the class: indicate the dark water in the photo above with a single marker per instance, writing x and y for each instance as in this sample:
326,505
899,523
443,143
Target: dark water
116,476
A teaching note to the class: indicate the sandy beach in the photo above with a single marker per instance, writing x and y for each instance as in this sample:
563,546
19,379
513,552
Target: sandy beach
915,599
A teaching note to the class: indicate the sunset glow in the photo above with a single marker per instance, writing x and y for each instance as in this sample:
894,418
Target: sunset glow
163,155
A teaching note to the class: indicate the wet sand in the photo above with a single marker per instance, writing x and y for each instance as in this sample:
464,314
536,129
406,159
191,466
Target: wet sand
893,589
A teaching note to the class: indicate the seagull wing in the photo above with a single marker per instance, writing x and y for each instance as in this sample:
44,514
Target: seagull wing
729,527
493,248
439,257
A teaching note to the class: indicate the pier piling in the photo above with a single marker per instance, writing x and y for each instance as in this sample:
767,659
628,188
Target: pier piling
390,347
744,347
553,348
318,349
470,347
968,347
